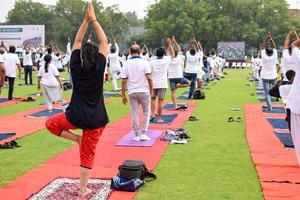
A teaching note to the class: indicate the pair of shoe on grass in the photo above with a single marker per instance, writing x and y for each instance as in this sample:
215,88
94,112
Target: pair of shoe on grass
9,145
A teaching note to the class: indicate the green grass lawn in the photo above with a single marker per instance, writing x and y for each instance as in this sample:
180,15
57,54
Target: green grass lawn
215,164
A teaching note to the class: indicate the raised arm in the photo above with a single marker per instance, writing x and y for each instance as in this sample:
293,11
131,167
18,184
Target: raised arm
294,32
199,46
273,43
80,35
176,44
146,48
193,41
170,49
287,41
117,47
103,46
296,44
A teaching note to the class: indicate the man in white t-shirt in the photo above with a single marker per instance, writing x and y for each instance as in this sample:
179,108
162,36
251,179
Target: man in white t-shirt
11,63
2,72
114,64
287,61
193,56
159,67
27,64
269,68
293,100
175,73
136,76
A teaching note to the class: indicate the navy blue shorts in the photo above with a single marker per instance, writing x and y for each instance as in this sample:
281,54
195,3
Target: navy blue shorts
175,81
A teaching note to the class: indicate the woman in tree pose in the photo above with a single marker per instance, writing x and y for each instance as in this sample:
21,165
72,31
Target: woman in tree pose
86,110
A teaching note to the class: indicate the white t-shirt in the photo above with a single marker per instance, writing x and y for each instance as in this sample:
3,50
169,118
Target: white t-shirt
284,91
1,59
175,68
159,68
192,62
287,62
135,71
114,60
212,62
10,62
56,61
268,70
27,60
293,100
49,78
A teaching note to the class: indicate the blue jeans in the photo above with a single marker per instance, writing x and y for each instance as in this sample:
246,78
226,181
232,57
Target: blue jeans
191,77
268,84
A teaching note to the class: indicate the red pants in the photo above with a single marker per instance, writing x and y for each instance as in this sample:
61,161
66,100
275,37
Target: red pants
90,138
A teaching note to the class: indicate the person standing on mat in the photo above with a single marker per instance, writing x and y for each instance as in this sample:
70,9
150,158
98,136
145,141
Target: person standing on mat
2,73
114,64
293,100
268,70
136,76
27,64
175,73
192,65
159,68
48,77
86,109
11,63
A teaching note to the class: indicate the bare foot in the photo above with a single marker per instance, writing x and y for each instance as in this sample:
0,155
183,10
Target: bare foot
84,192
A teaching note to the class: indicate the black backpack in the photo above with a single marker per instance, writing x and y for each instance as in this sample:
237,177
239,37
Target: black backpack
198,94
132,169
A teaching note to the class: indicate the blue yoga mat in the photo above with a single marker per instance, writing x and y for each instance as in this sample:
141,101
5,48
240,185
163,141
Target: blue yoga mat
263,100
170,106
286,139
4,136
3,100
182,97
275,110
278,123
45,113
168,119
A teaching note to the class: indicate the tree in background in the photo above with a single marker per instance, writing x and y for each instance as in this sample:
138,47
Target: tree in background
212,21
63,19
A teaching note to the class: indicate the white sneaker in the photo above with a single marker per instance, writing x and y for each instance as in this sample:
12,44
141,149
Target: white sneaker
137,138
144,137
178,141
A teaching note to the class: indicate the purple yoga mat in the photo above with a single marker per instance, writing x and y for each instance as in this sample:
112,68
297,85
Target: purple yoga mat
127,140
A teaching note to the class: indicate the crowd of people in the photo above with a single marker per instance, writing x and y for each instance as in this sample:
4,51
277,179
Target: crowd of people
266,68
145,78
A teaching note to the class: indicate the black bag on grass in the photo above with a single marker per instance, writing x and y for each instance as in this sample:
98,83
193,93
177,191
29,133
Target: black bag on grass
198,94
132,169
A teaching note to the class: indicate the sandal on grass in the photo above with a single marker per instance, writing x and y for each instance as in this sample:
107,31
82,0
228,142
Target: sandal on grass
193,118
230,119
239,119
14,143
6,145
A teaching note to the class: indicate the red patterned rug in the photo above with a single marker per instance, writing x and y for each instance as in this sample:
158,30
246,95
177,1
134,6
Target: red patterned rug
66,189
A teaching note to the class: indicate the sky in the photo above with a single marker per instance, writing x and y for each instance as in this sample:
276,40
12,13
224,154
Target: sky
139,6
